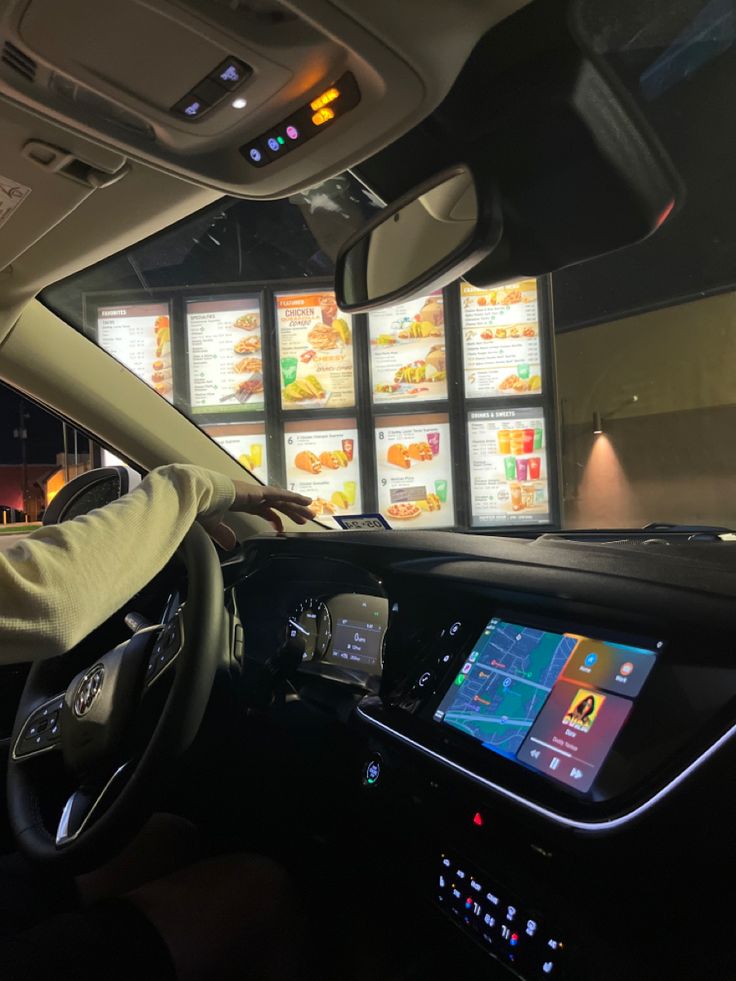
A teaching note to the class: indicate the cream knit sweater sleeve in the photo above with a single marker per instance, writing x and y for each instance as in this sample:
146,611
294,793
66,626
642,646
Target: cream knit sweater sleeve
62,581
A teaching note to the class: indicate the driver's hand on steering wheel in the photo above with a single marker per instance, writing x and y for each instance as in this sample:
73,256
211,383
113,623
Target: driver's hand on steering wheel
265,502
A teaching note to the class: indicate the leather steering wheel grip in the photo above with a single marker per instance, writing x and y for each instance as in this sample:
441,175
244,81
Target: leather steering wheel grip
204,629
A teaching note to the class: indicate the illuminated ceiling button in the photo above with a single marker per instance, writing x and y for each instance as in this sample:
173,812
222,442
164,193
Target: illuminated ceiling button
231,73
280,140
191,107
273,144
325,99
323,116
255,154
292,132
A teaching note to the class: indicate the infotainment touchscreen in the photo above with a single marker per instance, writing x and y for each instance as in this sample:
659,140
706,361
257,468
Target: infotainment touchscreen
553,701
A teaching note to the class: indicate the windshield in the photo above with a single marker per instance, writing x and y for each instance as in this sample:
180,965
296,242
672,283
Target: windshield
599,396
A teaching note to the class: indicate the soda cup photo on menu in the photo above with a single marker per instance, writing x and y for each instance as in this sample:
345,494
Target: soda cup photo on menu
256,455
515,490
440,489
348,446
503,438
521,469
509,463
517,441
433,439
288,370
534,464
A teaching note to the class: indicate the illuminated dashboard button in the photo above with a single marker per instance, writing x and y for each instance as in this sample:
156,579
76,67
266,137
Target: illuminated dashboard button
273,144
292,132
372,772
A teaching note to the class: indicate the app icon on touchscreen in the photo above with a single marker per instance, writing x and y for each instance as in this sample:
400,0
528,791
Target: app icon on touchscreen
583,710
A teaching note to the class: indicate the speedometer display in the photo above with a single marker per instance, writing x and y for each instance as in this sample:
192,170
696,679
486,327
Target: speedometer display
310,624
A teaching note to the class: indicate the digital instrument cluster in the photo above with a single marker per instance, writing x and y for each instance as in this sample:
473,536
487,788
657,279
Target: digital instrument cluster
343,631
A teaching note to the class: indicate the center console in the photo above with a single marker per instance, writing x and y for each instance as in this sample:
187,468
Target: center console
553,700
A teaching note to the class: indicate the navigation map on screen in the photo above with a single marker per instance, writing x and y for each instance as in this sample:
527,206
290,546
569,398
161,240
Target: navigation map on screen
534,696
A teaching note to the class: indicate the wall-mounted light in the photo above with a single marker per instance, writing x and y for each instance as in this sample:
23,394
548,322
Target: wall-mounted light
239,103
598,419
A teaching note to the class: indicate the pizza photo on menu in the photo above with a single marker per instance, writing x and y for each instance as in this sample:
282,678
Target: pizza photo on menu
404,511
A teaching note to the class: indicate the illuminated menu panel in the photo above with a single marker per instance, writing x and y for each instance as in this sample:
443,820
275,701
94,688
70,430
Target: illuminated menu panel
138,335
501,340
315,351
414,468
408,361
247,443
507,458
322,462
224,354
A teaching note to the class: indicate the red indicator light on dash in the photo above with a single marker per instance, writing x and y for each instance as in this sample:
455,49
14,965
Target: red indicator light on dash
323,116
666,212
478,819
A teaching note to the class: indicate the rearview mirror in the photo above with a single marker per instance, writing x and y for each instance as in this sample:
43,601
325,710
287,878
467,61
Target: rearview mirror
424,240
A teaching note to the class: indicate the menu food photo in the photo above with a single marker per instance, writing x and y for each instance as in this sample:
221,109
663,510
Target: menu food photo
315,351
224,354
508,467
322,462
247,443
414,468
408,361
500,330
138,335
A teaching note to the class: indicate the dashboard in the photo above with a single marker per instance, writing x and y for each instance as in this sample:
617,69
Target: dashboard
576,703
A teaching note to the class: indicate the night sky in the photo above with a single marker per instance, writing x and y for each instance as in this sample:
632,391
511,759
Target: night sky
44,431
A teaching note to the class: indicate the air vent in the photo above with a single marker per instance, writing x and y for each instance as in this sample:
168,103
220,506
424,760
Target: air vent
14,58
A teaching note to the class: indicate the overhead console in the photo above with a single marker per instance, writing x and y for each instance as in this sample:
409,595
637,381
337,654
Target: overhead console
224,93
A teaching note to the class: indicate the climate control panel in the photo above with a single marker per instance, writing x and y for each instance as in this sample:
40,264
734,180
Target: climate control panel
506,928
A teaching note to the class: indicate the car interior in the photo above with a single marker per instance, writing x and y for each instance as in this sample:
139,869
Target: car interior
364,251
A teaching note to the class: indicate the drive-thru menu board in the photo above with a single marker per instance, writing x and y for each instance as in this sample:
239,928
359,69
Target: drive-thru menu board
408,351
315,352
246,442
225,358
414,468
501,340
321,458
139,336
508,467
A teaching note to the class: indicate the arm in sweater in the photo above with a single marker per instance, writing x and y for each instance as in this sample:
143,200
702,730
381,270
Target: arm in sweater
61,582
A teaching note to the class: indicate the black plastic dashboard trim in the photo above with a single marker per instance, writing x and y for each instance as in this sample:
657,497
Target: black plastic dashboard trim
605,825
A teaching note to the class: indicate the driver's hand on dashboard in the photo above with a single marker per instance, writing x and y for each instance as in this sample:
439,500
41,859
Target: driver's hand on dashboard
265,502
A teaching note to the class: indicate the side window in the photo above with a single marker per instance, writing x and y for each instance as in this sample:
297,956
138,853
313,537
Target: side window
38,455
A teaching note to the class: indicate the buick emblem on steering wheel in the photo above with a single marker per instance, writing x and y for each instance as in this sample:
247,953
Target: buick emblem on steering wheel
88,690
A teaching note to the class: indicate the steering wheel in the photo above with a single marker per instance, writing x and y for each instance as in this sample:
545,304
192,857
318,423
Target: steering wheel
116,729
